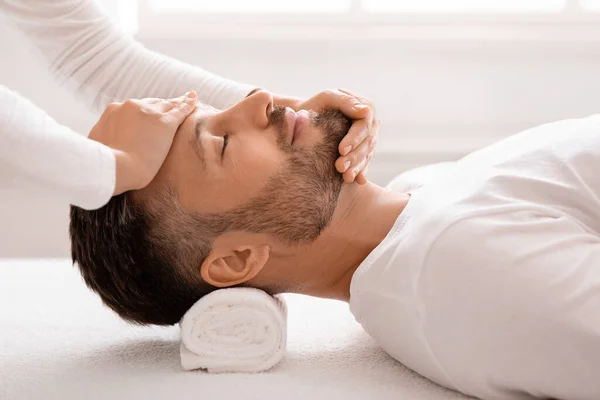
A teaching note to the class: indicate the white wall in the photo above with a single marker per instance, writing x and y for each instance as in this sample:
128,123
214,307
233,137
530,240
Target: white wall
437,99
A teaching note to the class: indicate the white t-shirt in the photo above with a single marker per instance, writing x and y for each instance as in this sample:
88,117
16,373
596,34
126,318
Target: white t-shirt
489,281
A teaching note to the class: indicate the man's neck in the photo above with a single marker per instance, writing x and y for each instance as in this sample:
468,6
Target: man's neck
363,217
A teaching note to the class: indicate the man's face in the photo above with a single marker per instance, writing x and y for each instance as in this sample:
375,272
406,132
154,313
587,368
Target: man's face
279,160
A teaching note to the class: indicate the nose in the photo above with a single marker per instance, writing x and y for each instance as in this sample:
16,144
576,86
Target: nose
256,108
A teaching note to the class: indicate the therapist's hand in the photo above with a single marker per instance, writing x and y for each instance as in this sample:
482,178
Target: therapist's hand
357,146
140,133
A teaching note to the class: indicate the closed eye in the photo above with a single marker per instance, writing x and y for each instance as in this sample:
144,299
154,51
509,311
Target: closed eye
225,141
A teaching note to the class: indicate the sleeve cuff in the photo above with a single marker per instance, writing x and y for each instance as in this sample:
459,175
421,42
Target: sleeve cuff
103,178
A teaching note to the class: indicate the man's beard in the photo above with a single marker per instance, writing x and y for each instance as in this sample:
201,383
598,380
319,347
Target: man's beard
298,203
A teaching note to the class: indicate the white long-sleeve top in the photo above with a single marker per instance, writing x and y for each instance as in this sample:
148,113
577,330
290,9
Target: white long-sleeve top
101,64
489,281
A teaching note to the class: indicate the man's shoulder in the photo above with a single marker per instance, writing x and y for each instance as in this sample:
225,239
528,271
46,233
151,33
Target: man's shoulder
494,239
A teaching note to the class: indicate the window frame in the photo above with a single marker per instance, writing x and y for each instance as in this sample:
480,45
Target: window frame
571,24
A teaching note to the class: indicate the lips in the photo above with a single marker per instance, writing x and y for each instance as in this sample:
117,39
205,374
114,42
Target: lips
297,121
290,117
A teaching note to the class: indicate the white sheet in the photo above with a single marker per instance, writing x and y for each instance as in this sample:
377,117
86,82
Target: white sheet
57,342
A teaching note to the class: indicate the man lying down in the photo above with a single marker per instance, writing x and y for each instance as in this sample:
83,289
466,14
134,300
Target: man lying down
485,279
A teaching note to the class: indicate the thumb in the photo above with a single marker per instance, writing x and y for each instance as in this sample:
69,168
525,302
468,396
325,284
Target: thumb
353,108
177,114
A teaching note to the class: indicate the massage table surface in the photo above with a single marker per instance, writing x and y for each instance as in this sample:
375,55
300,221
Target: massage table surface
57,341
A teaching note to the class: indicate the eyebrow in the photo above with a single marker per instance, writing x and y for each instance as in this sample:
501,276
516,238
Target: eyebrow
198,146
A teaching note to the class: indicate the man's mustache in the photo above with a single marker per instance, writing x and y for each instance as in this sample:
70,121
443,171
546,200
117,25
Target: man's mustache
277,120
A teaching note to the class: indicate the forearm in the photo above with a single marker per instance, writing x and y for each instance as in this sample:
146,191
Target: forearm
85,50
63,164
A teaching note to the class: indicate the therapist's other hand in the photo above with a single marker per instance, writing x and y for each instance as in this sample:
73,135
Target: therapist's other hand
140,133
357,146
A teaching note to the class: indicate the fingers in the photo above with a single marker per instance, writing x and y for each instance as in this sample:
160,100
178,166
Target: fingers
152,100
166,105
358,173
357,134
160,105
361,178
170,111
361,107
353,172
351,164
184,105
188,99
181,108
352,154
351,106
349,93
358,109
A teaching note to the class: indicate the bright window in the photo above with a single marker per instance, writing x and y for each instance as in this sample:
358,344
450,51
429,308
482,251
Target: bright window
370,6
462,6
317,19
252,6
591,5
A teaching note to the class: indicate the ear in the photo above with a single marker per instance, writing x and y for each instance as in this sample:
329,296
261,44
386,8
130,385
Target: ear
223,268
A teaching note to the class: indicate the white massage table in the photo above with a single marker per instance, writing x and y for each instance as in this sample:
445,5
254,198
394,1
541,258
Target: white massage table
57,342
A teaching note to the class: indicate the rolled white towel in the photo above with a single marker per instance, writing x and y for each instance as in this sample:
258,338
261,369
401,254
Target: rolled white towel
234,330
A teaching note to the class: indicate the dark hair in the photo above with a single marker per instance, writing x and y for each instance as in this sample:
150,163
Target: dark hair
136,271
